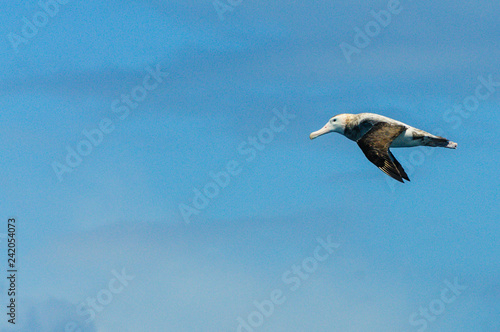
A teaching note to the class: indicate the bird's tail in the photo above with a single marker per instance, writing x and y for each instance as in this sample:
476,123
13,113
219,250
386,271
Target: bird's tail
441,142
451,145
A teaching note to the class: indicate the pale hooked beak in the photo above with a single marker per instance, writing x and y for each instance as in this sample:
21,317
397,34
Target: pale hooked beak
325,130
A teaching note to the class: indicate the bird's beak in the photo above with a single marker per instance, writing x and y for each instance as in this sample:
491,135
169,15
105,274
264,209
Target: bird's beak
325,130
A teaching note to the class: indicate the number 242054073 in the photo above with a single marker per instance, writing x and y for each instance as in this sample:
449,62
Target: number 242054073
11,243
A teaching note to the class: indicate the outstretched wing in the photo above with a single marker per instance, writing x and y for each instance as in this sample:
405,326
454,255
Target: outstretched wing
398,165
375,145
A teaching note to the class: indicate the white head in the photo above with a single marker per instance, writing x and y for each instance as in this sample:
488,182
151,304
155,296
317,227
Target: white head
336,124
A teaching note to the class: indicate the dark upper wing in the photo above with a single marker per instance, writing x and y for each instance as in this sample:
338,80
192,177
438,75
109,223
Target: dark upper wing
356,131
398,165
375,145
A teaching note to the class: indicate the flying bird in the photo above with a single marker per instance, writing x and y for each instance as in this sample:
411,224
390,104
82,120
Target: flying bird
375,134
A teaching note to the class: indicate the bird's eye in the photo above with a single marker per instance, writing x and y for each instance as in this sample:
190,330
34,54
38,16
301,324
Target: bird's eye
334,120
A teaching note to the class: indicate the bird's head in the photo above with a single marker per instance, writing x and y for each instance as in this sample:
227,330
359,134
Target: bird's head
336,124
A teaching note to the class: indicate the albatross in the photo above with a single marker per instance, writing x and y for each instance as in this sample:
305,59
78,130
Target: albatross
375,134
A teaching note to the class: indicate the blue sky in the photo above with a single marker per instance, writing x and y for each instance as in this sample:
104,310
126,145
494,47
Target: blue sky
117,213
